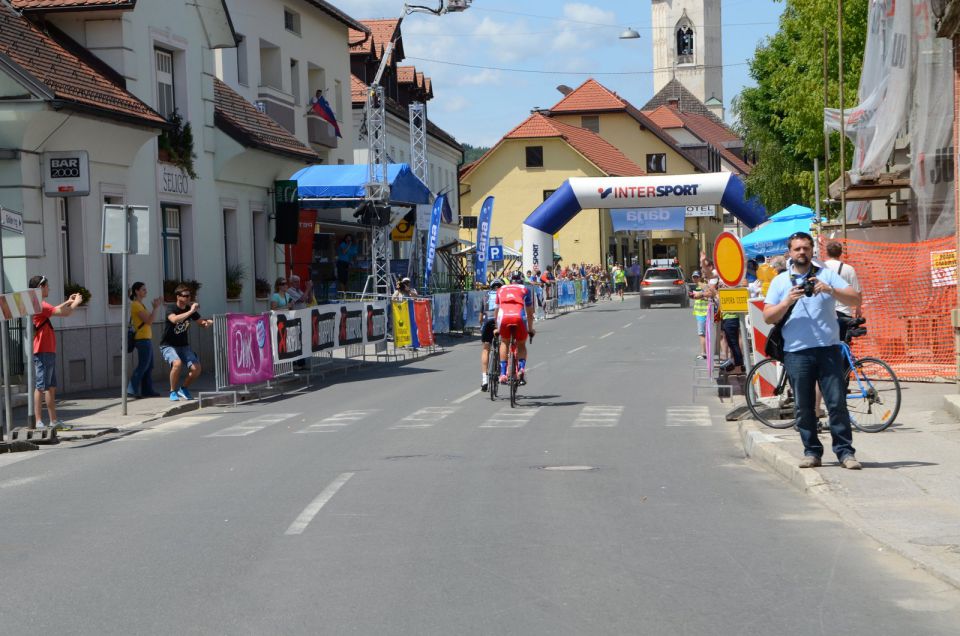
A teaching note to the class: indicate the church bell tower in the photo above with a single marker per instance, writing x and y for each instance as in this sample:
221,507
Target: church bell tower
687,45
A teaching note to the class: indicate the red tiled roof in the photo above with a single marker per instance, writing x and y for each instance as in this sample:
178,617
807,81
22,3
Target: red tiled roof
593,147
406,74
70,79
590,96
382,32
239,118
664,117
28,5
358,90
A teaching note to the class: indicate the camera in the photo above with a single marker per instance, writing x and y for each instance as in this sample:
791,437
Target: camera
808,286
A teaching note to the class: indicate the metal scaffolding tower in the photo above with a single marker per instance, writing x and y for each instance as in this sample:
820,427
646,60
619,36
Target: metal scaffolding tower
417,112
377,188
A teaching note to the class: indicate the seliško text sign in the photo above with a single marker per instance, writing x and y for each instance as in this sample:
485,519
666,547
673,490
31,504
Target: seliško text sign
11,220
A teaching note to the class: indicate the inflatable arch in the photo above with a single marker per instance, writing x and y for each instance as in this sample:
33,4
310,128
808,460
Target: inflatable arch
719,188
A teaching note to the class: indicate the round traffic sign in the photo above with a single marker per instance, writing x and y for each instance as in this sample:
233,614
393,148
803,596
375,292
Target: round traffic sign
729,258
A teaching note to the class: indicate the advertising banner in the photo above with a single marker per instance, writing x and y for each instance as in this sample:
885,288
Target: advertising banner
441,313
323,330
483,240
249,349
287,334
456,311
472,308
672,218
566,297
432,235
350,324
577,292
402,332
423,316
376,324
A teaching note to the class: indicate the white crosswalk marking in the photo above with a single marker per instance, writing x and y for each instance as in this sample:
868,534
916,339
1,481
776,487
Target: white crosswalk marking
425,417
338,421
173,426
254,424
598,416
510,418
689,416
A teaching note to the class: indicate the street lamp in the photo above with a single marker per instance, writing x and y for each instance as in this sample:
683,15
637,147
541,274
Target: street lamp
629,34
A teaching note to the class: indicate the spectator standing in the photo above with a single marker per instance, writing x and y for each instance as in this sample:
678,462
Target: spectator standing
346,252
301,295
700,295
175,343
281,299
45,353
141,382
845,314
811,338
634,276
404,290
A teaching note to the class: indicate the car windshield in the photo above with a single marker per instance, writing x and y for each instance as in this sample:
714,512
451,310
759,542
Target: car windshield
669,273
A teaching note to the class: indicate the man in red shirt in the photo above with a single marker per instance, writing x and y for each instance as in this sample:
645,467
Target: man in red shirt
515,314
45,352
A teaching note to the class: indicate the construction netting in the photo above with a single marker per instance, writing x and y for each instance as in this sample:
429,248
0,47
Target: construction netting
909,290
906,86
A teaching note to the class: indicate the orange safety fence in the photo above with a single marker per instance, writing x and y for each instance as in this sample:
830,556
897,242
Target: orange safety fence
909,290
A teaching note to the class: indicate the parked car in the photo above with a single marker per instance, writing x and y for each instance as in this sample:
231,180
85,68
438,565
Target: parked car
663,285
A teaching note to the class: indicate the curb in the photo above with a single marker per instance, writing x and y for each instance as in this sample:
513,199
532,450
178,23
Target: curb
766,449
951,404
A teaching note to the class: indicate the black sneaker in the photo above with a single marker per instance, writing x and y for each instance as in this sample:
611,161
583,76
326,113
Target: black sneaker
483,387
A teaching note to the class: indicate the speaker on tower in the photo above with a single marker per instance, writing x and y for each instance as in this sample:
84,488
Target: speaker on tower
287,222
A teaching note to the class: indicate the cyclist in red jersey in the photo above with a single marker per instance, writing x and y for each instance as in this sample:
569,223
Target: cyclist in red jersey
515,315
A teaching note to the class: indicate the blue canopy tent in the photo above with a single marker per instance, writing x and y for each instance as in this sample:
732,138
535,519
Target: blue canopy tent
325,186
770,239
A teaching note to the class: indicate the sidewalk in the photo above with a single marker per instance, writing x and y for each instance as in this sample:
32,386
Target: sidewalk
907,497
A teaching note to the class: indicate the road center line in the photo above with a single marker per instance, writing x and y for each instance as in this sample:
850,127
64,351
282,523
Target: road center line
301,523
464,398
628,325
577,349
606,335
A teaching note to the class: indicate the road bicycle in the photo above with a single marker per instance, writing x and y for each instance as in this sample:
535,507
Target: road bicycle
493,369
873,390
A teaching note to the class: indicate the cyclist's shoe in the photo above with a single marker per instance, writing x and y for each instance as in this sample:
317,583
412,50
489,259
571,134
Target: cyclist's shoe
523,378
504,379
483,387
810,461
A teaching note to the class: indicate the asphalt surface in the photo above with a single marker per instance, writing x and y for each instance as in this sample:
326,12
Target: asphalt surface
400,500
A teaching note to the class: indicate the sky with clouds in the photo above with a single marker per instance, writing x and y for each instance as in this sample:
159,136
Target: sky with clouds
496,61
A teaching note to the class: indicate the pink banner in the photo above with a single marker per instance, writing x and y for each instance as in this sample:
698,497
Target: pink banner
249,349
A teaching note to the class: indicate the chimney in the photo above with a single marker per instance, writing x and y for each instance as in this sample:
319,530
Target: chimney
674,102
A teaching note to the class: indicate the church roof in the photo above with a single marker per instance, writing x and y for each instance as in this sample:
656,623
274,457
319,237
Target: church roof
707,129
591,146
674,90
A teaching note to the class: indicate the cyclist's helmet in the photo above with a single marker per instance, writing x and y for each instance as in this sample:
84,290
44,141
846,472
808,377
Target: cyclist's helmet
496,284
516,277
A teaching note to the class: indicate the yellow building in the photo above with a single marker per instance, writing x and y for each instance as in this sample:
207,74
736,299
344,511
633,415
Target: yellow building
580,136
526,166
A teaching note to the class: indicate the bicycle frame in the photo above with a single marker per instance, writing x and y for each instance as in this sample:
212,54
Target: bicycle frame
851,364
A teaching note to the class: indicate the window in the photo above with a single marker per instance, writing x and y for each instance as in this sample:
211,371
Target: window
547,193
295,81
172,239
260,243
231,238
534,156
166,99
291,21
61,205
271,68
114,265
657,163
685,46
242,74
338,99
590,122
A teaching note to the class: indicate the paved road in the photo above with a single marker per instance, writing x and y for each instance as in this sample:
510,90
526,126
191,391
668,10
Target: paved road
411,504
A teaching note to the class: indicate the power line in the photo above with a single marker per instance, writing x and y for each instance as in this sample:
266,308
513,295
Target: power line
617,26
542,72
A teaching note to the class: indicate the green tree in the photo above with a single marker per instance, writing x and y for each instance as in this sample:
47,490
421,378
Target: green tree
472,153
781,118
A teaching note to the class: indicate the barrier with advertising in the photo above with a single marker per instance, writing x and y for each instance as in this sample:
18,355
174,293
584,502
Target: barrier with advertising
423,319
300,333
441,313
249,349
472,306
403,329
413,323
566,296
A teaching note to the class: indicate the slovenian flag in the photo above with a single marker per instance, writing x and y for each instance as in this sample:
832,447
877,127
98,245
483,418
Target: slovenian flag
322,108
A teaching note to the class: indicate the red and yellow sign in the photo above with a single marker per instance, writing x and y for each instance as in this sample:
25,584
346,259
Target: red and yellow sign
729,258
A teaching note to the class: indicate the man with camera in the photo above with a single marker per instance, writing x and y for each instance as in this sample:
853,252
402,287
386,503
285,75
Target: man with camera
812,353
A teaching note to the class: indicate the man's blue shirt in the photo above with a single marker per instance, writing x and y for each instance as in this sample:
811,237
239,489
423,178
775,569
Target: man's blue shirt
813,322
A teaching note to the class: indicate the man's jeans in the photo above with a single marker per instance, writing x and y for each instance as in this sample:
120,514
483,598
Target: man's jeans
805,368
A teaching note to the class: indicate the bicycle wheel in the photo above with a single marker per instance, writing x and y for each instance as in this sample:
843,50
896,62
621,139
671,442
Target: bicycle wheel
493,369
512,375
875,401
768,395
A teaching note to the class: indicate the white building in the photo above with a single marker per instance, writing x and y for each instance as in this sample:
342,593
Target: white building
688,46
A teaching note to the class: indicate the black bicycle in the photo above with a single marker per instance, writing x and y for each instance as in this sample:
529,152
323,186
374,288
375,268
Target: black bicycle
873,393
493,367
